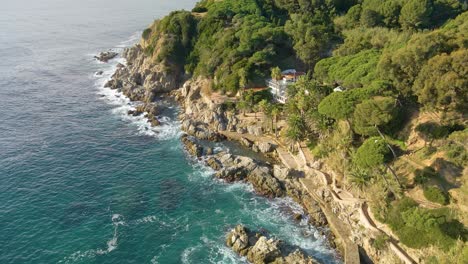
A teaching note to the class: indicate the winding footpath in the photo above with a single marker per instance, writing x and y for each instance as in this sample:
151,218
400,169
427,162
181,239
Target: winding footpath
301,162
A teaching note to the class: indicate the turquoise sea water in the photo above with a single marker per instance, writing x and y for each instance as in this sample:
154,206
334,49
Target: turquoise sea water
80,181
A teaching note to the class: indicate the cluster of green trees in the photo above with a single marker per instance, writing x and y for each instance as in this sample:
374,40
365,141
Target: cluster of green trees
390,56
418,227
233,40
404,14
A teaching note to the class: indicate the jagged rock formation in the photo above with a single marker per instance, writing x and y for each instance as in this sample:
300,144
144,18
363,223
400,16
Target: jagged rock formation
106,56
267,180
258,248
202,118
239,168
141,79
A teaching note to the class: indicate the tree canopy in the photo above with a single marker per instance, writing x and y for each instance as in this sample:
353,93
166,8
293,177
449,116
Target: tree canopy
372,153
373,113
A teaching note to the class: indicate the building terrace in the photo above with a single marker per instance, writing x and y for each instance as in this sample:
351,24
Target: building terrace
279,87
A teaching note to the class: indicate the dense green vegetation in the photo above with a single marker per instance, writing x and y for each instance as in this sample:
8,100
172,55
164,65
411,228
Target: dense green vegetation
436,195
417,227
393,58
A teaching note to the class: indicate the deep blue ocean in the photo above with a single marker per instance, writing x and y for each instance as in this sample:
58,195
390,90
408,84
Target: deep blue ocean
82,182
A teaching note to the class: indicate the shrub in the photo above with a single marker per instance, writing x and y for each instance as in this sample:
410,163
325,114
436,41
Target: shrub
456,150
436,195
423,176
199,9
228,106
457,154
418,227
431,130
146,33
380,242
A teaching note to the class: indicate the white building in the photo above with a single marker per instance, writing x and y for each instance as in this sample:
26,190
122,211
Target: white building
279,87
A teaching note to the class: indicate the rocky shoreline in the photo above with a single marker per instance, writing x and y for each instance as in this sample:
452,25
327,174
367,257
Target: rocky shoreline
202,119
259,248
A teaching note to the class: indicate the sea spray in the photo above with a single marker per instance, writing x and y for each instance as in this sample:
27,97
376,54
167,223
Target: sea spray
274,215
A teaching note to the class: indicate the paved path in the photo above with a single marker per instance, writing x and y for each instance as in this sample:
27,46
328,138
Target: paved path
283,154
287,159
339,228
346,198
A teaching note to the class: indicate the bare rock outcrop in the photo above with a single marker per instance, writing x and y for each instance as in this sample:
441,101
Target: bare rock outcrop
259,248
106,56
240,168
141,79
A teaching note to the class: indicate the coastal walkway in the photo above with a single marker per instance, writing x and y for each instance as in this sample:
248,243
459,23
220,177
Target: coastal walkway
301,161
345,198
340,229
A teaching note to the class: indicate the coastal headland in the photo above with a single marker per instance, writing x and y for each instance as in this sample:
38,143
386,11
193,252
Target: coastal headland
352,130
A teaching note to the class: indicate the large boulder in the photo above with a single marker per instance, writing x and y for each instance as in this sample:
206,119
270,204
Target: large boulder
105,56
264,251
238,240
255,130
239,168
245,142
264,183
265,147
281,172
192,147
260,249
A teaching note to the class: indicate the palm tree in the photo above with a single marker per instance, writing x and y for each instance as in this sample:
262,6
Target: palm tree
264,106
276,73
275,111
242,105
359,179
296,128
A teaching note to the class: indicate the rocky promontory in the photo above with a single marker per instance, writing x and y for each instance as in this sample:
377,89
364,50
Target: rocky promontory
258,248
202,119
141,79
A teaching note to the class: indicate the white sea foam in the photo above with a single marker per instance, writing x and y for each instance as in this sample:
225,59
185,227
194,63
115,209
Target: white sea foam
300,234
161,249
239,186
186,254
79,255
130,41
201,172
220,253
169,129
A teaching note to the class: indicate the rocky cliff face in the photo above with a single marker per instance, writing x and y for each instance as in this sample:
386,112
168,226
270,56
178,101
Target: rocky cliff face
141,79
201,117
